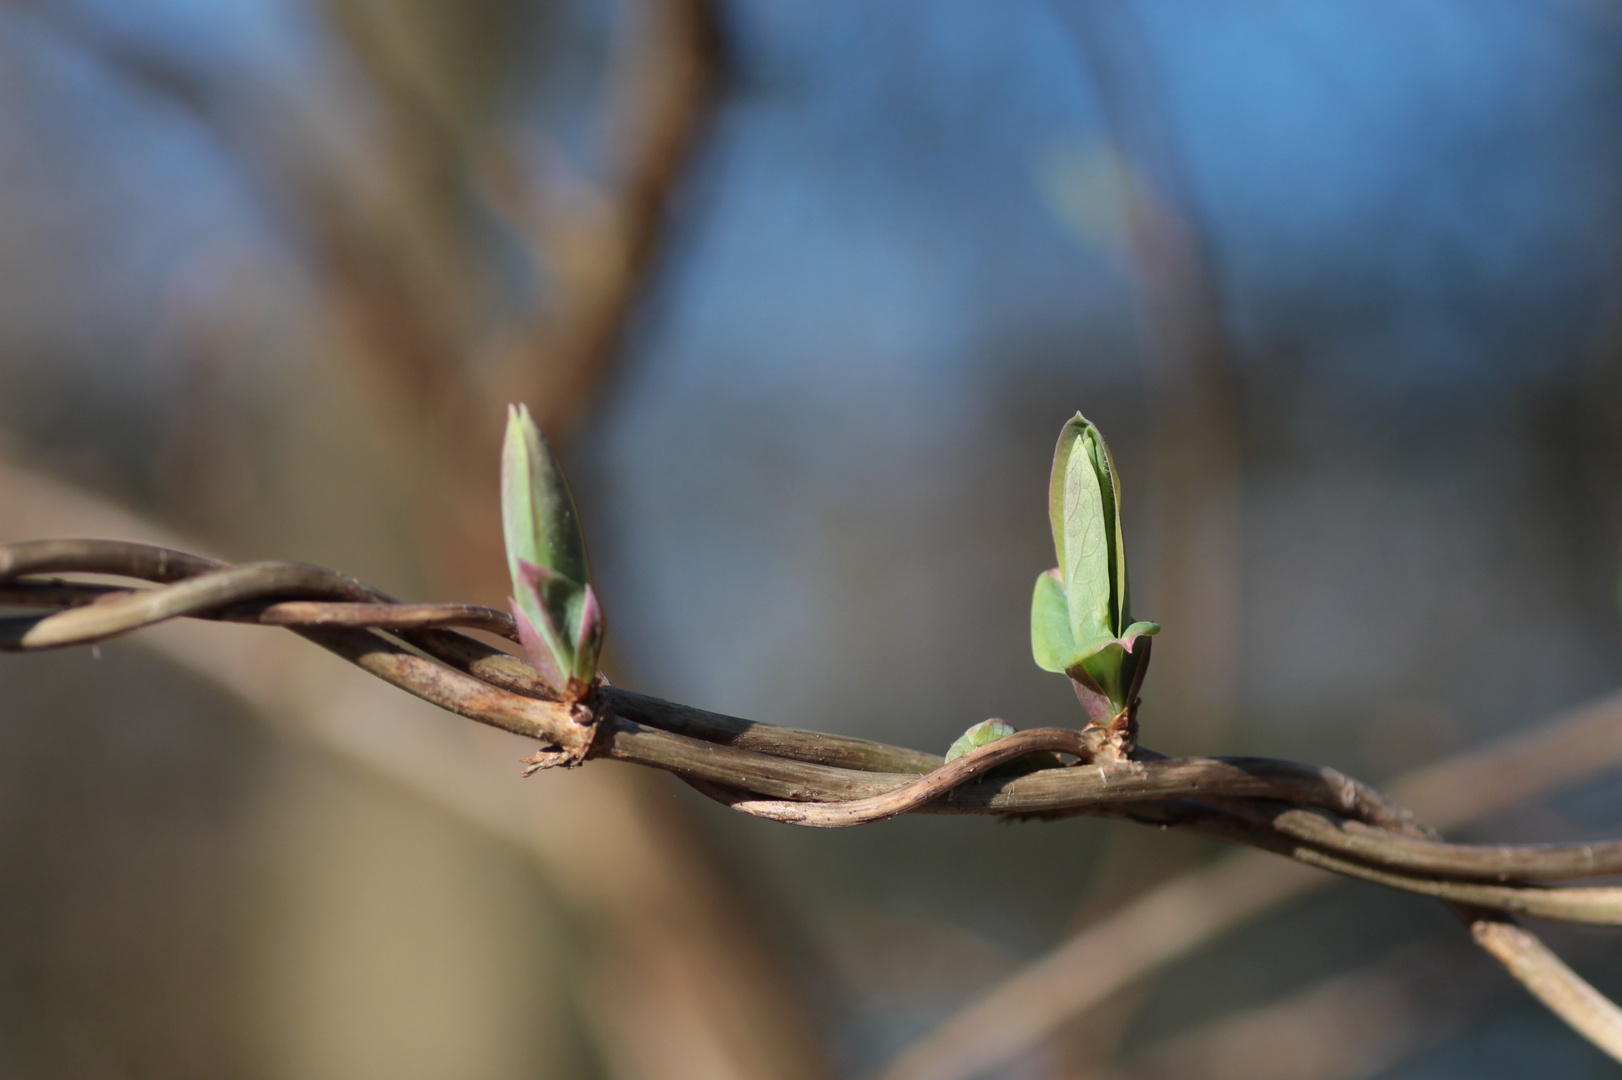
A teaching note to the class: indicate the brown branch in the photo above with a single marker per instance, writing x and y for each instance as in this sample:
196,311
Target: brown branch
1500,862
290,613
147,562
115,615
796,769
1174,919
1160,791
1543,973
761,758
388,616
1351,1026
1573,904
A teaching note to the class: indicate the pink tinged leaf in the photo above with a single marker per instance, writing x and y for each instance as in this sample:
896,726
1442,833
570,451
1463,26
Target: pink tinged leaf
589,638
537,649
1138,632
540,578
1099,708
551,591
547,590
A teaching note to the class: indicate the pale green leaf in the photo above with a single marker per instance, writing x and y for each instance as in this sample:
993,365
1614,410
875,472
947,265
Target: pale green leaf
1140,629
1085,560
1051,641
1109,480
1068,435
986,731
1081,619
538,515
559,621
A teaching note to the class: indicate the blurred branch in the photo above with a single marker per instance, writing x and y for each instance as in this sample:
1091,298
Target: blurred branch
1173,920
1354,1025
593,251
1167,923
1194,441
389,198
677,985
1232,800
666,89
385,201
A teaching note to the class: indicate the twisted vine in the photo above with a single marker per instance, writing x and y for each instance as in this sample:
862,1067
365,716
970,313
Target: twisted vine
1309,813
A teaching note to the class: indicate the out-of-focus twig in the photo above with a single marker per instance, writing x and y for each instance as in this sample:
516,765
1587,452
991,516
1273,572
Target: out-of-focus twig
1354,1025
664,95
389,218
593,254
1175,919
387,197
676,987
1194,443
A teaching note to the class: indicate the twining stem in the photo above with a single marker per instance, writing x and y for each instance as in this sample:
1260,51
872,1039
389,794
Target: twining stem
1311,814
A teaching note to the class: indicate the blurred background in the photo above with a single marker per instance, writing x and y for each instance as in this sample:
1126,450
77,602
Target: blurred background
804,293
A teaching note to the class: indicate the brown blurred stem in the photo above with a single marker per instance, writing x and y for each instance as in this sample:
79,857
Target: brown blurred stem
382,194
1174,919
390,227
1353,1025
1194,436
594,262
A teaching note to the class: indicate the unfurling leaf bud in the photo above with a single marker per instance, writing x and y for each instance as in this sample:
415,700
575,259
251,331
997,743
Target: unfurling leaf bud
1081,618
559,620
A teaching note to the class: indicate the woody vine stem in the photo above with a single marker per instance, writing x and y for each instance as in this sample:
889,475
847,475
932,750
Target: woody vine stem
1080,625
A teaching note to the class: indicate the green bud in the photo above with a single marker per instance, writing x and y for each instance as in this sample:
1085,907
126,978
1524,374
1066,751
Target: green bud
989,731
986,731
559,621
1081,615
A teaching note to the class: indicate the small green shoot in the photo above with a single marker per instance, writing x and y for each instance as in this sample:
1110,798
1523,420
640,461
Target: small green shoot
559,620
1081,615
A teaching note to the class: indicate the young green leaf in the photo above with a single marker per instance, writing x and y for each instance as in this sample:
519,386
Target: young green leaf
560,623
1110,480
1051,641
986,731
538,513
1081,620
1082,533
989,731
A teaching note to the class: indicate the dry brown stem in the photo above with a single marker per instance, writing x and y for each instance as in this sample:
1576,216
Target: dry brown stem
1175,919
1234,800
677,983
1356,1024
1537,969
374,183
